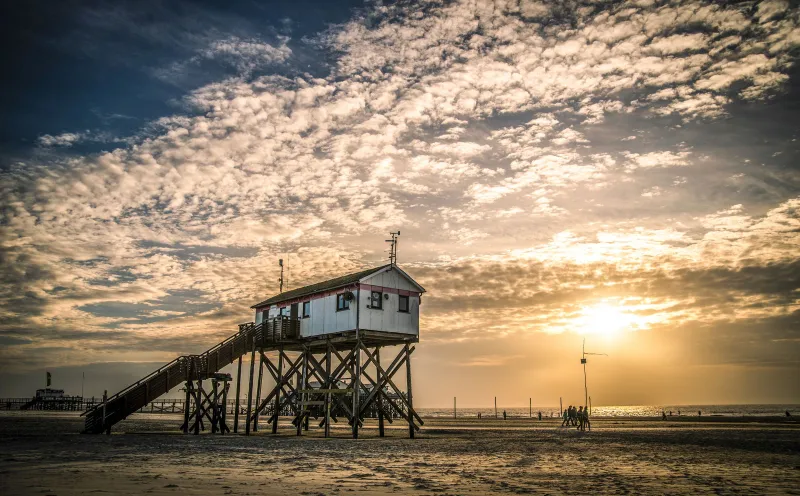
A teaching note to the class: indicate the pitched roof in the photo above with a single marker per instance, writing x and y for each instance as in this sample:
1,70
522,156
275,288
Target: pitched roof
337,282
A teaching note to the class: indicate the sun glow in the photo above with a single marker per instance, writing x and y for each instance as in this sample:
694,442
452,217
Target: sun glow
604,320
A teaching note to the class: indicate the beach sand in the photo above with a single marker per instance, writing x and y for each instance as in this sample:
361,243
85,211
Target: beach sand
43,454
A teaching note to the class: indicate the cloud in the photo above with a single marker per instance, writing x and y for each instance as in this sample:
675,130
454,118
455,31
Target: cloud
243,55
489,360
64,139
497,136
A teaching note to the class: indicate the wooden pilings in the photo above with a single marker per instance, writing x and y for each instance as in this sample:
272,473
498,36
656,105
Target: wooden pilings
409,395
250,389
356,386
343,380
328,387
258,390
381,428
210,405
186,406
238,386
278,389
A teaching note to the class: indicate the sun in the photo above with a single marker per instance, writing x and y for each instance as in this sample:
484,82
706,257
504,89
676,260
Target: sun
603,320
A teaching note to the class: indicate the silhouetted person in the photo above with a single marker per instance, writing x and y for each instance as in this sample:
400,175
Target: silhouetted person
504,415
663,415
566,418
585,417
699,413
540,415
579,416
479,414
670,413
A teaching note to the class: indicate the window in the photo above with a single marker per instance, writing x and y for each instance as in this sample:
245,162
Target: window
403,306
342,303
285,311
376,300
306,309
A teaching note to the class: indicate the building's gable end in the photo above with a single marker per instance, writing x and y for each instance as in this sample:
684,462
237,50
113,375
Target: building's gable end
393,277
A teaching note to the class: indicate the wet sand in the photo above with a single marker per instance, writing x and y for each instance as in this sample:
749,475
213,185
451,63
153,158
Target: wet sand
44,454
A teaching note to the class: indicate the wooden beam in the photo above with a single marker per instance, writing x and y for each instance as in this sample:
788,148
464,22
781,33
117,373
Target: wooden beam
356,387
381,432
250,389
328,395
276,413
258,391
238,387
410,397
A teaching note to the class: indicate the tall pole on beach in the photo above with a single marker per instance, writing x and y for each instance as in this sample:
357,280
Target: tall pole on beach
583,361
454,407
495,407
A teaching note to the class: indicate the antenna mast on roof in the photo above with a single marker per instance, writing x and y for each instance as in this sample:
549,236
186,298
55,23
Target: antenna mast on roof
280,262
393,248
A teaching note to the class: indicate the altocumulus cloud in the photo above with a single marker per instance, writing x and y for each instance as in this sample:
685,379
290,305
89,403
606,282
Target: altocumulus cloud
539,157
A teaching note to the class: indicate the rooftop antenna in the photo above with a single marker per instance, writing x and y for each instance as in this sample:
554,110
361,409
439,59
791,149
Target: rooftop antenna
583,362
280,262
393,248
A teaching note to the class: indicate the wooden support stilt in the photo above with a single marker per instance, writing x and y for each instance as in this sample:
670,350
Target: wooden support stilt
276,413
356,387
186,406
199,405
214,411
105,399
258,391
409,395
250,389
328,386
381,431
224,407
238,386
305,384
302,416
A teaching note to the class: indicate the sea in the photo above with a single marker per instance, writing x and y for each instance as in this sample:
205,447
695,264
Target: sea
624,411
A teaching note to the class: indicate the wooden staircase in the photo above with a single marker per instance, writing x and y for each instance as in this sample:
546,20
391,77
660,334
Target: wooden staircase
103,416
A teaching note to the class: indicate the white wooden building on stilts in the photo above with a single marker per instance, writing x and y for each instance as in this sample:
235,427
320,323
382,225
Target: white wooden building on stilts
330,335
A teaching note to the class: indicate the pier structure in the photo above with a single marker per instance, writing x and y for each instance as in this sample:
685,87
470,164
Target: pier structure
321,346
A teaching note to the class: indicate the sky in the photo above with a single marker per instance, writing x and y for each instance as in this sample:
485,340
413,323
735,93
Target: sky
620,172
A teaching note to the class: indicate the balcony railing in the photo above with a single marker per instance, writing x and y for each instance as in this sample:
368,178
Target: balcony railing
275,330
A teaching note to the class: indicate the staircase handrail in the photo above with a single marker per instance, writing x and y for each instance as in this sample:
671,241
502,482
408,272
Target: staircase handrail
134,385
160,369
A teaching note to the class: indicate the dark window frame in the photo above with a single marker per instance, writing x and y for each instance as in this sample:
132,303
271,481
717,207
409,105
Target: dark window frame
408,304
341,303
306,314
372,300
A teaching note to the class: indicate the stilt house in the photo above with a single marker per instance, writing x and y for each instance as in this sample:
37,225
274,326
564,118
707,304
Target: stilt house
379,300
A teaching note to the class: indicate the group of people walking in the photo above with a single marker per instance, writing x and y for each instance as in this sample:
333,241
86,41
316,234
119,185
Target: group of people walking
577,417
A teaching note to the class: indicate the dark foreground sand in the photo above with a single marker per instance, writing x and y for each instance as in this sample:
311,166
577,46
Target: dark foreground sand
43,454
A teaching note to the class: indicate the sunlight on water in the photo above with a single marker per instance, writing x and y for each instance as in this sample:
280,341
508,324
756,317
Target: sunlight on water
624,411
